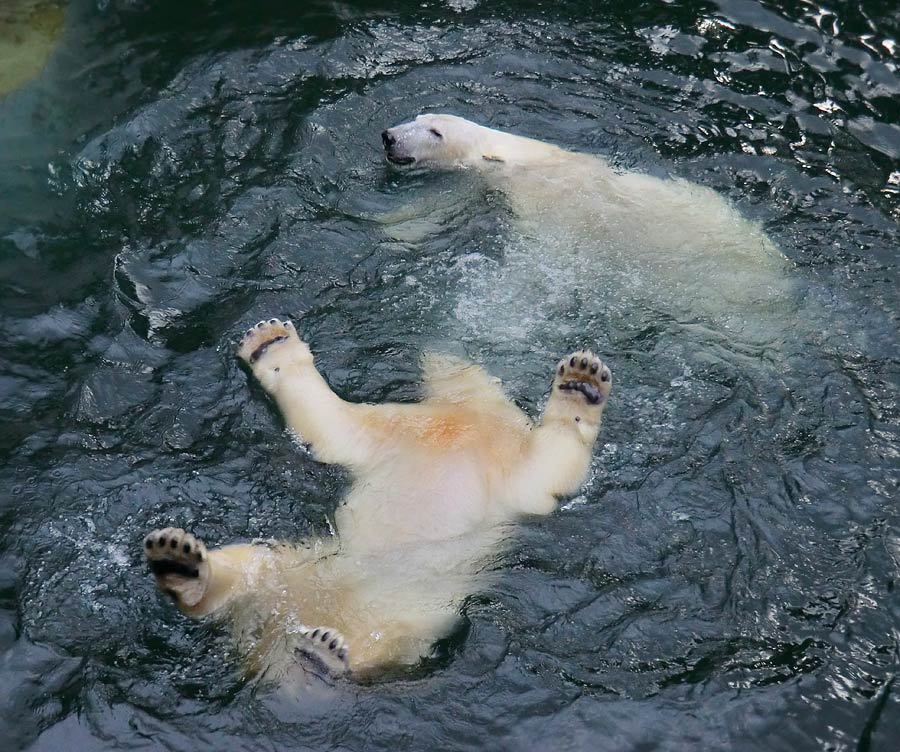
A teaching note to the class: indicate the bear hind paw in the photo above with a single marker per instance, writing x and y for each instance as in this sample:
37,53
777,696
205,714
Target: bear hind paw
327,646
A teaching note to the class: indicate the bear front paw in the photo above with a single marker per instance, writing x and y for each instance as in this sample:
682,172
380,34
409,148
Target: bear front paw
266,335
179,563
583,373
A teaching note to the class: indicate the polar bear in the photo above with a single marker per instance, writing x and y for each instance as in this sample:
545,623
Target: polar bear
569,189
436,487
664,239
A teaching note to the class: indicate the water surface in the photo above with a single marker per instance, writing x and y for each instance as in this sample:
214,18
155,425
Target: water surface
180,170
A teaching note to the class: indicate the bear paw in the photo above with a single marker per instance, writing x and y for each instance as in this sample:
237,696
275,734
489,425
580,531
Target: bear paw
327,646
179,563
584,373
266,335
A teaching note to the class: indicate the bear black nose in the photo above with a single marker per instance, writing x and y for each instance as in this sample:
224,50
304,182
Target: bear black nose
387,139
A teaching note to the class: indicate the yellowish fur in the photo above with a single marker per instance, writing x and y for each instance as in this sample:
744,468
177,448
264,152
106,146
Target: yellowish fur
436,487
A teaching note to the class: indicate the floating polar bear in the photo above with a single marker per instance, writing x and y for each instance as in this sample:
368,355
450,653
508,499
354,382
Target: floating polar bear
436,485
664,239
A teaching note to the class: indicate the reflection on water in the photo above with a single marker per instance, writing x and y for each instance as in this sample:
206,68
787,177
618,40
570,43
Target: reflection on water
727,579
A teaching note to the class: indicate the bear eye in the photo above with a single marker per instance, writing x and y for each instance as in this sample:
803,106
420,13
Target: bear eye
436,133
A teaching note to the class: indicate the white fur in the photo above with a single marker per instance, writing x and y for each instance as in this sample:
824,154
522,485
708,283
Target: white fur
665,239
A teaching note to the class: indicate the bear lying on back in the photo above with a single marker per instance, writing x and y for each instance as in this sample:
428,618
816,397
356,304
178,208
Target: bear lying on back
436,486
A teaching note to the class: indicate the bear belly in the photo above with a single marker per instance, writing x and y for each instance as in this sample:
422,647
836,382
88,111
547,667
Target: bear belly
396,510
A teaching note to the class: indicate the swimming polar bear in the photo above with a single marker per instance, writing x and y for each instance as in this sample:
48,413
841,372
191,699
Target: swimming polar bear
638,235
436,486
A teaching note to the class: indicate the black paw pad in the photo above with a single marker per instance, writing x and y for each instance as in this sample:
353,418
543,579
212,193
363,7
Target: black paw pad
162,567
590,392
261,350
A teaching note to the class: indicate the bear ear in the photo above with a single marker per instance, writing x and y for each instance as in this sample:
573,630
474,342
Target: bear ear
492,158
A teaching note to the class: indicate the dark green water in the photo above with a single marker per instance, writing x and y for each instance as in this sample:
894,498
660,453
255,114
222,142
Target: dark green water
181,169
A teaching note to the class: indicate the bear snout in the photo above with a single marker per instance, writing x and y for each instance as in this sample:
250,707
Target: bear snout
391,149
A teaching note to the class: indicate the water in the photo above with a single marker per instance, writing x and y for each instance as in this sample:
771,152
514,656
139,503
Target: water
727,578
